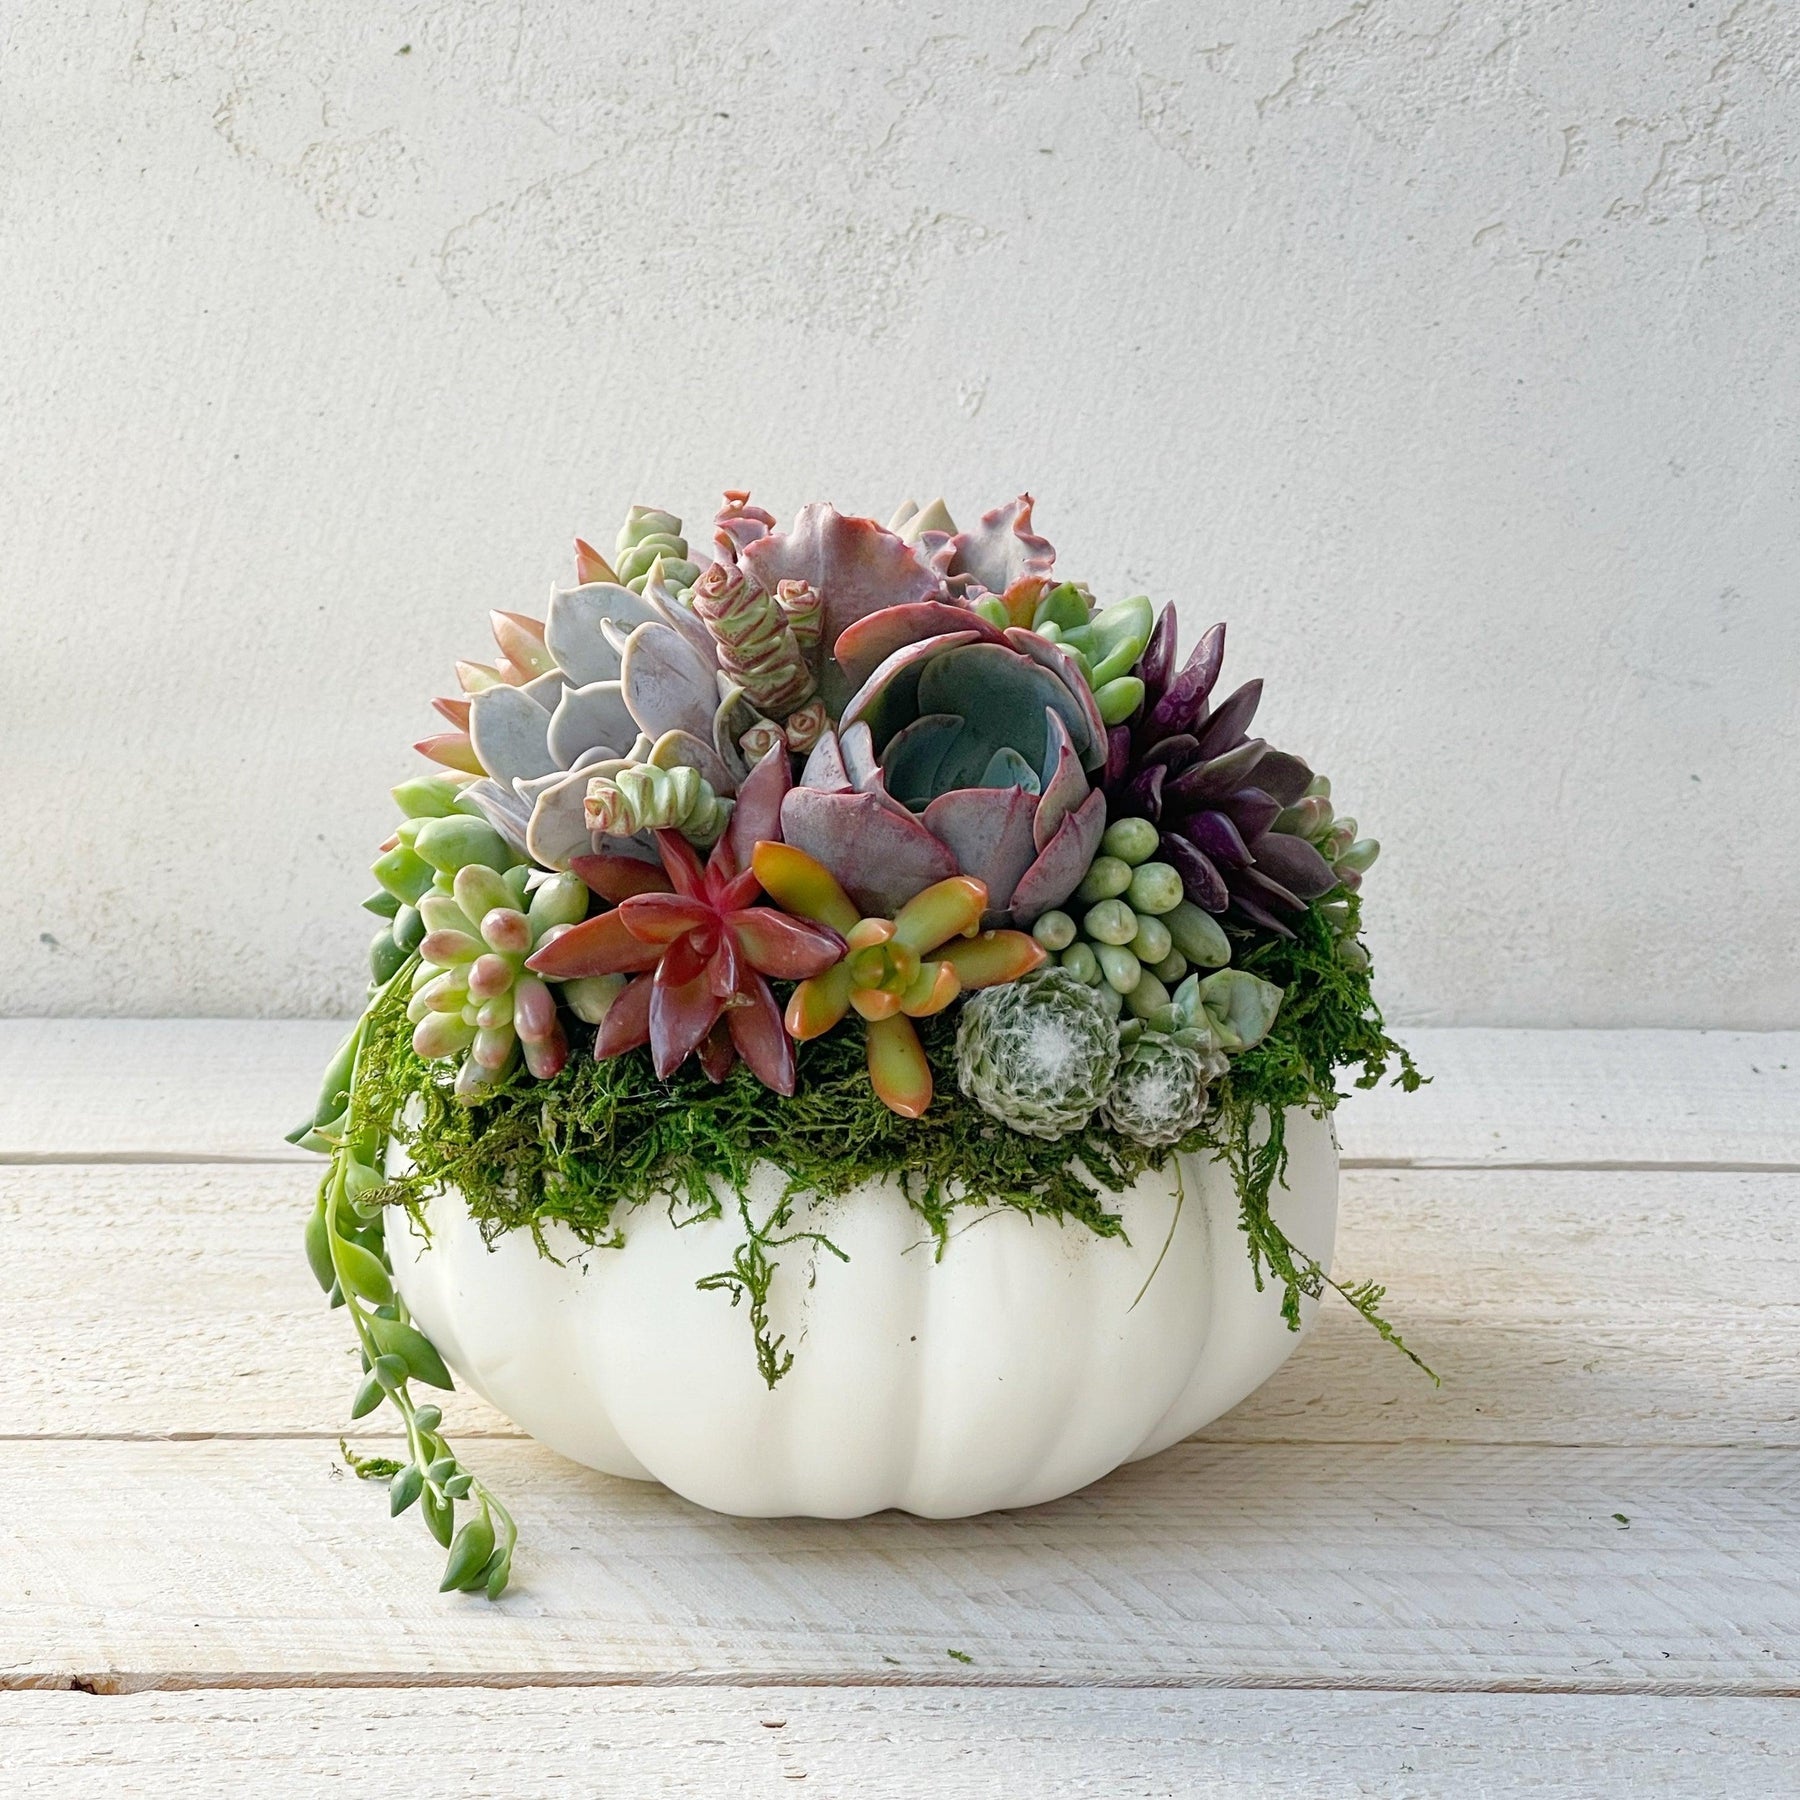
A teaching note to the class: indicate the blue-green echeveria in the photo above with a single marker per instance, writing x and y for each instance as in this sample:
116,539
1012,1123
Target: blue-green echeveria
962,750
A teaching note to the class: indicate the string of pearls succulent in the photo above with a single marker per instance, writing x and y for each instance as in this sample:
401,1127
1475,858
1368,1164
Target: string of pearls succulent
1128,931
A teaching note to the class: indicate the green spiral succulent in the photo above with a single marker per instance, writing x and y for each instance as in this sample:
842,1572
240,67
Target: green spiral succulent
649,532
645,797
1038,1053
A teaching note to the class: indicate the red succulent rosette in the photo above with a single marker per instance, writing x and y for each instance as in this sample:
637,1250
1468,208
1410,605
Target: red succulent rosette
700,945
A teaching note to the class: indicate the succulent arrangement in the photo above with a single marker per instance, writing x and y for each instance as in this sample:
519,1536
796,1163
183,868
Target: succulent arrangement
829,798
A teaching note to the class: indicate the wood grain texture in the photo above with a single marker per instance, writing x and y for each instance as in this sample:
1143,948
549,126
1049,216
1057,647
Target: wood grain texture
187,1090
888,1743
1548,1302
1463,1567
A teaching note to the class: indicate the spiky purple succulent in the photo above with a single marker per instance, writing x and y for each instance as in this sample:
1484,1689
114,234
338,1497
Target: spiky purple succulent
1227,804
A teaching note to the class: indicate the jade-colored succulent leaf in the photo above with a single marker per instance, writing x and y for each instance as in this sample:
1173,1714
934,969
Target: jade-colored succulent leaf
931,990
1064,606
427,796
945,910
1118,699
819,1003
1239,1008
992,957
802,885
449,843
1114,639
898,1071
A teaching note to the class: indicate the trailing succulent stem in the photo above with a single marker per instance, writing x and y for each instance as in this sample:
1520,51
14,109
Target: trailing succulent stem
346,1247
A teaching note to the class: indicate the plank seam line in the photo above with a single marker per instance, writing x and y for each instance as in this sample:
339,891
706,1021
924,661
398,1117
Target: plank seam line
115,1682
1233,1442
156,1159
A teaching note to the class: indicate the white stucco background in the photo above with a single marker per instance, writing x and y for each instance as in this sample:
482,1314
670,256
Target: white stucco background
1451,351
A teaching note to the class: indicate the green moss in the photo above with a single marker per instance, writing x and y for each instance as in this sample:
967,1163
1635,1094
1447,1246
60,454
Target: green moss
604,1138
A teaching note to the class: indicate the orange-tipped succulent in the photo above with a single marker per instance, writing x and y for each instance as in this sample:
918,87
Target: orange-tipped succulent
893,970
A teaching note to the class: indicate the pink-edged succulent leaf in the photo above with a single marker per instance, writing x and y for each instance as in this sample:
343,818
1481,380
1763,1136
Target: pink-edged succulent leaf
737,525
1086,727
1064,781
521,642
789,949
603,945
878,853
802,885
627,1021
857,565
456,712
756,1030
1062,862
889,697
757,815
867,644
932,989
451,750
825,767
998,551
988,831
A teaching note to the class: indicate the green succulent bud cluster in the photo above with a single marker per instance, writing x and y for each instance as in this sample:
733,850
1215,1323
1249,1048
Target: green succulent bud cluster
453,832
644,797
1311,817
1038,1053
1127,930
473,998
649,533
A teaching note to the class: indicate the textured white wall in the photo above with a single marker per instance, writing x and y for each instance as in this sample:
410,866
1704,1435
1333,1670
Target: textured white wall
1452,351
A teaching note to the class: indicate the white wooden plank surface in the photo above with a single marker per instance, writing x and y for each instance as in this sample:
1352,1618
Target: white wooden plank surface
876,1743
1549,1302
1464,1567
84,1089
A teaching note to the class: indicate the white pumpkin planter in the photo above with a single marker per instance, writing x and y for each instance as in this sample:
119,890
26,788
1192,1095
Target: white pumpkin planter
1031,1360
